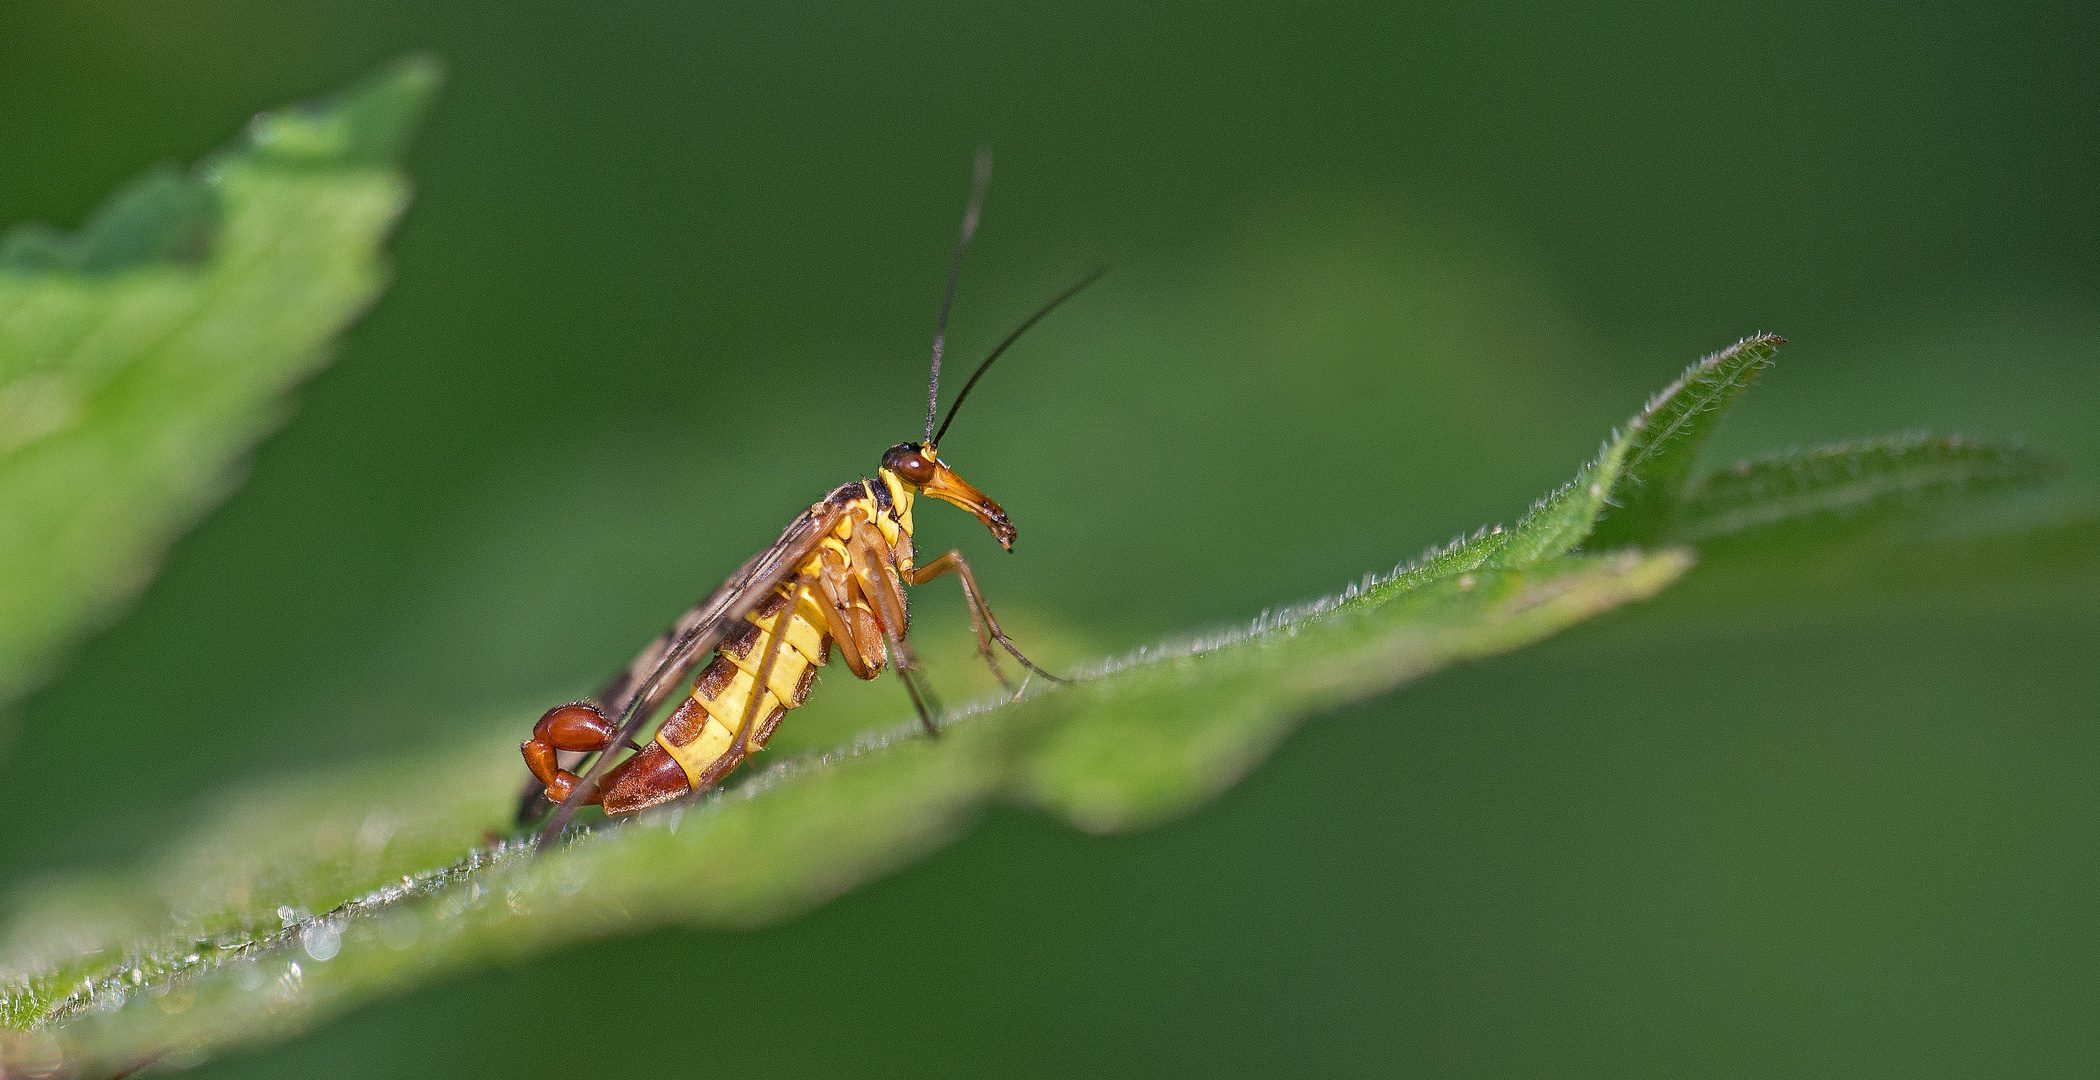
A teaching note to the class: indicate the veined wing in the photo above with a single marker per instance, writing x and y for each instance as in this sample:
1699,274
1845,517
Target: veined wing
618,694
639,690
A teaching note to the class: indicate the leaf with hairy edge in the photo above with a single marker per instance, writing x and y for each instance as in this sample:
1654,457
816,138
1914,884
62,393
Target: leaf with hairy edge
232,941
1665,439
1649,458
1560,521
1126,753
304,900
1852,479
140,357
1910,516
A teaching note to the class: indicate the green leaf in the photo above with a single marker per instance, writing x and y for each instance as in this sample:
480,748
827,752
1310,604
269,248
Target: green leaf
142,356
164,216
1644,464
1134,751
1851,481
299,901
1904,517
1664,441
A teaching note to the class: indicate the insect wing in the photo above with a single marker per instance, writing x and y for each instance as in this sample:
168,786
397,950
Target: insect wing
693,636
619,692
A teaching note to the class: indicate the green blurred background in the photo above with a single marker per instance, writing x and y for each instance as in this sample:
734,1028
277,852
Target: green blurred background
1381,275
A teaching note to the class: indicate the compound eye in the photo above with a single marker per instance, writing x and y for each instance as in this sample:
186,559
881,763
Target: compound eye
910,461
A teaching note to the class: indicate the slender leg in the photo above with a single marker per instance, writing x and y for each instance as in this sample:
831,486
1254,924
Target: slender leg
873,567
948,564
834,594
871,557
906,661
757,698
921,695
988,628
859,637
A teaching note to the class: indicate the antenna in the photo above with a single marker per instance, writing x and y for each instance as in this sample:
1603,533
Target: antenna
1091,277
940,330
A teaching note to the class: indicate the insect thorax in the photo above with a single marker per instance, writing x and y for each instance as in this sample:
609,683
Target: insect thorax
886,501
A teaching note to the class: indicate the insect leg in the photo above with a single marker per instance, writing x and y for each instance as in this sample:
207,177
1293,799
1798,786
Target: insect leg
987,630
873,567
756,700
921,695
922,698
834,595
860,636
870,558
971,599
972,602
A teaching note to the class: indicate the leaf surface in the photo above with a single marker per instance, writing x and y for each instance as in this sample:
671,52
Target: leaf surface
299,904
1664,440
1850,480
141,357
296,902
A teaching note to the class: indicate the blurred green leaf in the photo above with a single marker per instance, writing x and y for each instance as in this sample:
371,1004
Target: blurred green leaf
1851,480
1908,516
140,357
164,216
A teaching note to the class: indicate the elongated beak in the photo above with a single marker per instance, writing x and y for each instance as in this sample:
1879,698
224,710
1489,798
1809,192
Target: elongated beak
948,487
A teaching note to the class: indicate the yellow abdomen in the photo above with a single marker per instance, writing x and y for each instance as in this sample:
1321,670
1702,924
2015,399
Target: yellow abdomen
699,738
722,693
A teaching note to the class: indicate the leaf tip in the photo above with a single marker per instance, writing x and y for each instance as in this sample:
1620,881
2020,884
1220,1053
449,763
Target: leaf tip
368,124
